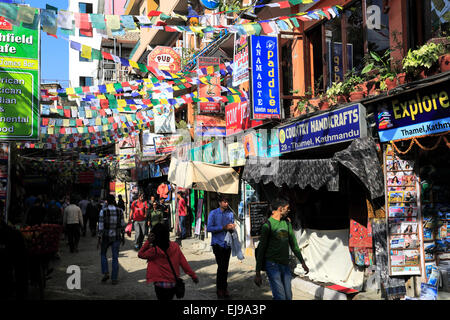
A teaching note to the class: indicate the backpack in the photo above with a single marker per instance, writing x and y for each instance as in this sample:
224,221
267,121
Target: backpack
140,214
263,268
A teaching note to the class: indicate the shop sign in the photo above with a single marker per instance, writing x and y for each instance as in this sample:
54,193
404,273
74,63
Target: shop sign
268,143
209,90
166,58
213,152
422,112
240,65
125,162
167,144
333,127
238,118
236,154
210,126
265,77
336,63
19,83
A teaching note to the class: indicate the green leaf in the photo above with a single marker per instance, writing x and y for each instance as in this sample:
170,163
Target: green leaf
367,68
375,56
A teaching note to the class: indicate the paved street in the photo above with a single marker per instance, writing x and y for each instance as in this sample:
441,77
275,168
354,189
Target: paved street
132,284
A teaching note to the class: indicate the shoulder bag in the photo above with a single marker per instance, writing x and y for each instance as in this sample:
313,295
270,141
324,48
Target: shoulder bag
179,286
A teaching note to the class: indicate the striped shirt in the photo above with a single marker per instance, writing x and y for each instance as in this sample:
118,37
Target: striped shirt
111,224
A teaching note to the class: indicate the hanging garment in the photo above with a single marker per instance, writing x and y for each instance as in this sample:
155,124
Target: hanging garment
232,240
394,287
360,243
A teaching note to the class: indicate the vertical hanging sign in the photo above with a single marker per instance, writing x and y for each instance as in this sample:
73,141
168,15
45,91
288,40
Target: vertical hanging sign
265,77
19,83
210,90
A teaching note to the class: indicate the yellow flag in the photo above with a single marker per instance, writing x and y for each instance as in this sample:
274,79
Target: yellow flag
98,121
121,103
110,87
134,64
66,123
86,52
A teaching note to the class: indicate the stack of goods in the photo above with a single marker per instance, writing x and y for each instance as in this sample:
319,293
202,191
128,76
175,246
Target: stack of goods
42,239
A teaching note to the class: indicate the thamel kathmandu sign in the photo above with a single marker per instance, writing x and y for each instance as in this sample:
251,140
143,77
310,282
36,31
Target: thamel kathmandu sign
19,83
337,126
422,112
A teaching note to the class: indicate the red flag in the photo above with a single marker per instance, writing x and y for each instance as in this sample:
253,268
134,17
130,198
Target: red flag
154,13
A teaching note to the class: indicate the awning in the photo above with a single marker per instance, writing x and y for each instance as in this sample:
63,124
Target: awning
360,158
203,176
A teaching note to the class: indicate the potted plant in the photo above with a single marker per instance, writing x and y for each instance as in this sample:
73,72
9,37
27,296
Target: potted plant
387,75
423,62
336,93
353,85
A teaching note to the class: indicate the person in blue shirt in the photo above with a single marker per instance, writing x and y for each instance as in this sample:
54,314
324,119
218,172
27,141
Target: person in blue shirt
220,221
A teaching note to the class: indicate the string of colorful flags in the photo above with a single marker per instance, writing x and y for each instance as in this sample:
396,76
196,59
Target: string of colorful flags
53,19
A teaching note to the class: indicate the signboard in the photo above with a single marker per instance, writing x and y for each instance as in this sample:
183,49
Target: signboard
337,126
213,152
240,66
164,119
126,162
236,154
268,143
210,126
422,112
209,90
336,63
166,59
238,116
19,82
265,84
167,144
258,212
148,144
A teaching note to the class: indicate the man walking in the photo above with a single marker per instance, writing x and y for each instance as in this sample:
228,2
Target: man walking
73,222
182,213
138,215
273,251
83,206
220,221
111,232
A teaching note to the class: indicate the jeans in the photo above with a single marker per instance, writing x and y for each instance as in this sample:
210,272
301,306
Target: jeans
73,235
223,261
139,229
115,244
183,226
280,280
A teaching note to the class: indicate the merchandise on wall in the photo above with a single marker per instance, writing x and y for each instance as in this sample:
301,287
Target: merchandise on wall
403,215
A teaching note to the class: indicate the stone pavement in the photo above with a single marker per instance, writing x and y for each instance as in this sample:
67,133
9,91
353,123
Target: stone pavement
132,270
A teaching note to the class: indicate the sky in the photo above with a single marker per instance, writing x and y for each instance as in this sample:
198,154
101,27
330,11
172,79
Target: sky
54,52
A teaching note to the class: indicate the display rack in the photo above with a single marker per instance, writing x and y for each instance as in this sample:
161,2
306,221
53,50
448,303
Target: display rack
403,215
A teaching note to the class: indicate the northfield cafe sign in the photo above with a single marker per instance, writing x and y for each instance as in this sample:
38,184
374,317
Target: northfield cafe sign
19,82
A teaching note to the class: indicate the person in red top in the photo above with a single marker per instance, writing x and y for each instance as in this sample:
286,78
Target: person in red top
138,216
182,213
156,250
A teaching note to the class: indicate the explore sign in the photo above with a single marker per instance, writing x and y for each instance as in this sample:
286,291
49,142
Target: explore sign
19,83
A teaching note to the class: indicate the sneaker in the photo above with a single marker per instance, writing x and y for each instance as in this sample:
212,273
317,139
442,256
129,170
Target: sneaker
105,277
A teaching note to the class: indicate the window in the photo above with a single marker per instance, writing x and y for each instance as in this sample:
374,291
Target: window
428,19
82,59
85,7
341,44
86,81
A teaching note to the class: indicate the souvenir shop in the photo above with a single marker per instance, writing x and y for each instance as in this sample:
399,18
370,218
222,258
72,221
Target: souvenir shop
413,128
330,172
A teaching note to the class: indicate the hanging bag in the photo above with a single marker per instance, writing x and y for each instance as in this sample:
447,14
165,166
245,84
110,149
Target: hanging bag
179,283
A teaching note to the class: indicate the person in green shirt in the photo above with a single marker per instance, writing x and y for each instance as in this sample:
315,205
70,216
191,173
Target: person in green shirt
273,251
155,216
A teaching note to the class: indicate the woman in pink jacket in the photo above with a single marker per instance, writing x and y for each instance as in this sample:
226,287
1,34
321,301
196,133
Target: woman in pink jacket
159,271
